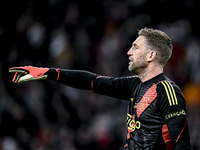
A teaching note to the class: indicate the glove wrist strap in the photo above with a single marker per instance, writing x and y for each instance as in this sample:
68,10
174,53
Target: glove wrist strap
58,71
53,74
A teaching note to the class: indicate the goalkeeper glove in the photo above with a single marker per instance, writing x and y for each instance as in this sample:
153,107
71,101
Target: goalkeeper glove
28,73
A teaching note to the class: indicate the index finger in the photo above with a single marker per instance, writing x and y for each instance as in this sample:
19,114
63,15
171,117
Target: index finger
18,69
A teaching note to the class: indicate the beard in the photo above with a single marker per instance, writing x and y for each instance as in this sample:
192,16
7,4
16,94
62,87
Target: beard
137,66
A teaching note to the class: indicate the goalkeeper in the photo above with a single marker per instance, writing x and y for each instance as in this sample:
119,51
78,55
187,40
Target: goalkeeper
156,118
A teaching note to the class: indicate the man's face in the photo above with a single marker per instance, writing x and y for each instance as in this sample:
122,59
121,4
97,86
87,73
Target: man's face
138,55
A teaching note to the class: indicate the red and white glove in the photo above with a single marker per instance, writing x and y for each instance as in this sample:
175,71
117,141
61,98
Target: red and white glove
28,73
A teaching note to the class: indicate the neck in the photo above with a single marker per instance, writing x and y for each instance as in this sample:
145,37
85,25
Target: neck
149,73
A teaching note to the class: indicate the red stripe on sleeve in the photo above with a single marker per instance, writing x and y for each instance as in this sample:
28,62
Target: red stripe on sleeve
166,137
182,130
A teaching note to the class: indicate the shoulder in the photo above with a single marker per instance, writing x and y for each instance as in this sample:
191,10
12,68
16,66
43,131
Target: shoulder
118,82
166,84
169,87
132,77
171,101
129,78
169,92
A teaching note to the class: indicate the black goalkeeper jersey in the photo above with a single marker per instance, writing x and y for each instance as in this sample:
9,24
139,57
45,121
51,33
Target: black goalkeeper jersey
156,117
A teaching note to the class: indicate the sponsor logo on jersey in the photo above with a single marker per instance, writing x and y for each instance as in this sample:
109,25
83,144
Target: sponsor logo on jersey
175,114
132,125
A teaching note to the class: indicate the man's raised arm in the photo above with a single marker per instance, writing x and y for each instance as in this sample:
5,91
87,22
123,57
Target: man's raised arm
75,78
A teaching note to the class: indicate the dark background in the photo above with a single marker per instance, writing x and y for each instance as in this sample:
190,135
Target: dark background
92,35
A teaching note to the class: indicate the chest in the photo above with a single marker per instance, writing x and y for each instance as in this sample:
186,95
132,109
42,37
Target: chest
140,101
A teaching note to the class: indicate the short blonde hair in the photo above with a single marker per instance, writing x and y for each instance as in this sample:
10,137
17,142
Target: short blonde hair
158,41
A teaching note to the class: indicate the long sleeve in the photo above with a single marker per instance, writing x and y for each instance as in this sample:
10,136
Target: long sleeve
75,78
114,87
120,87
172,107
178,130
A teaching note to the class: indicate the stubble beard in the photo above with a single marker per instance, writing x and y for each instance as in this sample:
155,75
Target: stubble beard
137,67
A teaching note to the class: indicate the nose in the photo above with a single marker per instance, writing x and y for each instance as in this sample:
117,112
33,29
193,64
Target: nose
129,52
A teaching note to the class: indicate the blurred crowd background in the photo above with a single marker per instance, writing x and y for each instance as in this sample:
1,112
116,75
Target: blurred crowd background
92,35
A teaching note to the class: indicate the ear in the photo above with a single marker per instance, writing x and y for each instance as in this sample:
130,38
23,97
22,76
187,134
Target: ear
151,56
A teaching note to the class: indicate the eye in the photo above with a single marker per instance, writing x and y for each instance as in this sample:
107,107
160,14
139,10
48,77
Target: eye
135,46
